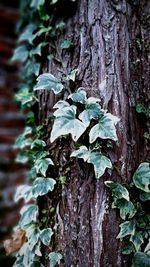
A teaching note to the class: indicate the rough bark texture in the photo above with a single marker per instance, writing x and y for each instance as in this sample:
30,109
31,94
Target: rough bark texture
110,43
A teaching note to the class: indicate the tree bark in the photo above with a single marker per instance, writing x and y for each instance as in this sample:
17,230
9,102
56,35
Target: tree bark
110,43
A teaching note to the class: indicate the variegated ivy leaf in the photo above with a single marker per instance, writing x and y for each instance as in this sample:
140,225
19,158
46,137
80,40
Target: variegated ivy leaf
92,111
41,165
145,196
137,240
45,236
105,129
99,161
118,191
20,54
33,235
28,215
72,74
61,104
126,208
141,177
23,191
27,34
141,259
37,3
127,228
55,258
79,96
49,82
38,143
65,122
41,186
22,142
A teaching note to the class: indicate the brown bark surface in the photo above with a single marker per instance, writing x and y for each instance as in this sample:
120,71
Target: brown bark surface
110,43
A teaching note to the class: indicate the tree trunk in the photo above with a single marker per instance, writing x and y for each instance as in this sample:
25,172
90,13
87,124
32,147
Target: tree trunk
110,45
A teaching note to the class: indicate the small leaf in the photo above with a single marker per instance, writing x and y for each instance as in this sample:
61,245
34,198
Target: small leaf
27,34
22,142
41,165
24,96
141,259
66,44
127,208
127,228
137,240
22,158
23,191
41,186
38,143
82,153
141,177
72,75
45,236
37,3
79,96
55,258
65,123
105,129
20,54
92,111
49,82
118,191
28,214
61,104
144,196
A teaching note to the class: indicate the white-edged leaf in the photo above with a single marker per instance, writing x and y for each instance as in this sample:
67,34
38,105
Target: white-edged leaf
141,177
41,165
22,158
45,236
41,186
72,75
55,258
23,191
27,34
105,129
61,104
82,153
49,82
92,111
137,240
28,214
127,228
79,96
33,234
20,54
118,191
66,123
36,3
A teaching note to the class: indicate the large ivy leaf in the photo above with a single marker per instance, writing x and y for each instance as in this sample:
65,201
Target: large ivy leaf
92,111
45,236
127,228
28,214
141,177
23,191
33,235
79,96
118,191
65,122
41,165
105,129
49,82
137,240
41,186
99,161
20,54
55,258
141,259
126,208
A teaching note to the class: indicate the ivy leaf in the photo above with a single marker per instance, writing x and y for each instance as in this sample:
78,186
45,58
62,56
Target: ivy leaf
49,82
128,249
126,208
45,236
72,75
137,240
79,96
127,228
118,191
55,258
22,142
33,234
36,3
105,129
38,143
65,122
141,177
28,214
144,196
22,158
20,54
141,259
31,68
41,186
61,104
23,191
27,34
92,111
24,96
41,165
99,161
66,44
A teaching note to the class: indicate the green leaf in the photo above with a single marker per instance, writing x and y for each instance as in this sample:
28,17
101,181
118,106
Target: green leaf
22,158
127,228
65,122
41,165
28,215
33,234
37,143
41,186
27,34
144,196
99,161
49,82
31,68
141,259
45,236
137,240
141,177
126,208
23,191
22,142
20,54
105,129
61,104
79,96
140,108
128,249
66,44
37,3
55,258
72,75
24,96
92,111
118,191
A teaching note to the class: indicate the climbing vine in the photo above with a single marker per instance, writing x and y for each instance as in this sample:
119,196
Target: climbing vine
77,117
